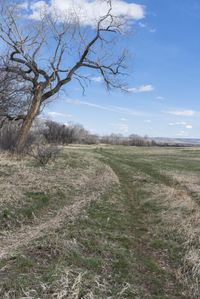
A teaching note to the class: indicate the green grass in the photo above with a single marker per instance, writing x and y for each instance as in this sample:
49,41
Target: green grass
34,204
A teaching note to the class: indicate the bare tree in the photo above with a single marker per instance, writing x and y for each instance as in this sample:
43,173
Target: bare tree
47,54
57,133
14,96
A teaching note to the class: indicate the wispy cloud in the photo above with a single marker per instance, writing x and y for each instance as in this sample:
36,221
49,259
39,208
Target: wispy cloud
181,112
182,134
189,126
141,89
120,127
181,123
55,115
152,30
160,98
144,25
115,109
178,123
148,121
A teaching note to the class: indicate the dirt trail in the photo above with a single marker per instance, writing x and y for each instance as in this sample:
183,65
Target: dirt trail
10,243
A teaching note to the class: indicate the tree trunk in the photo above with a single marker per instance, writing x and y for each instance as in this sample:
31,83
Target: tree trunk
26,125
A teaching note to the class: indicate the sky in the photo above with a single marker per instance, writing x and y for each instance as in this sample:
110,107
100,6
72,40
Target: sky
164,75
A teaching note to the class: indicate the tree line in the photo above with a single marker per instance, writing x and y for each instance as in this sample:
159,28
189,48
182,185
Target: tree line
54,133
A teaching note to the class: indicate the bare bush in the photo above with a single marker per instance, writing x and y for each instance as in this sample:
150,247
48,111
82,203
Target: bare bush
8,136
43,153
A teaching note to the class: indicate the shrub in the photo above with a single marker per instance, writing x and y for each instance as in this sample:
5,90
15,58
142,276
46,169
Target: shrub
43,153
8,136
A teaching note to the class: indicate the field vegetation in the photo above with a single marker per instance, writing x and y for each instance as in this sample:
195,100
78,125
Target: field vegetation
101,222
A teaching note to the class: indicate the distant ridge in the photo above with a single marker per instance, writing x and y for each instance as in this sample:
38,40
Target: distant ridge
181,141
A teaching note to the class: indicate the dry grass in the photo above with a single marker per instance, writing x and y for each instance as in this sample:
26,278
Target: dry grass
19,176
90,182
98,244
181,219
69,286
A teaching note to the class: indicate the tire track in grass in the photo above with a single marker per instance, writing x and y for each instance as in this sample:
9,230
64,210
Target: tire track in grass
91,192
153,268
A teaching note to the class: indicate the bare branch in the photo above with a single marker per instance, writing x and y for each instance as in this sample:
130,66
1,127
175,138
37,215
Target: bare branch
50,53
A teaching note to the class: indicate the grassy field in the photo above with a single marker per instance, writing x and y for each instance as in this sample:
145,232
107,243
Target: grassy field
101,222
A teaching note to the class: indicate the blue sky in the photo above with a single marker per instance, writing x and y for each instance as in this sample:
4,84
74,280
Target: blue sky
164,79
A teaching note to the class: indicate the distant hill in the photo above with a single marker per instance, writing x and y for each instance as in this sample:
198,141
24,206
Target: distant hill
181,141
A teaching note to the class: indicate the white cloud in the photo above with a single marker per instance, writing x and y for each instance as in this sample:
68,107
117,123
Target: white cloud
148,121
142,88
181,112
188,126
88,11
181,123
123,119
38,9
97,79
